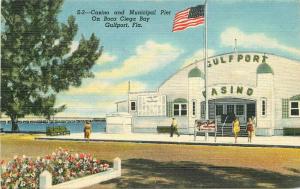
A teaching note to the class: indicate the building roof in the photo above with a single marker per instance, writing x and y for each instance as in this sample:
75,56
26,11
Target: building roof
196,72
264,68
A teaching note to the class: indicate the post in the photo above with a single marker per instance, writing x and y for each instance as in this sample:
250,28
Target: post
128,96
216,128
195,131
205,64
117,165
206,135
235,45
45,180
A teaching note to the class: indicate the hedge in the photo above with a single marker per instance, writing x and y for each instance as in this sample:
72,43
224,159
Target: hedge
163,129
57,130
291,131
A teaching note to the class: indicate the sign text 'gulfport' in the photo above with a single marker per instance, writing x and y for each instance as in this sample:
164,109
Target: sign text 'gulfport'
237,58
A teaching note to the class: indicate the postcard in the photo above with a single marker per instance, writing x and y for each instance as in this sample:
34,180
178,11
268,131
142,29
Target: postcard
150,94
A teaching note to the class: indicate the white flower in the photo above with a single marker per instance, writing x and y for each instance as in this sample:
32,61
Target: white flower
22,184
60,170
24,166
59,161
24,156
53,153
15,156
33,174
76,156
38,158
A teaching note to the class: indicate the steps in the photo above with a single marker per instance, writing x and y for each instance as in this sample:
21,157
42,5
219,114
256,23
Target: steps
227,130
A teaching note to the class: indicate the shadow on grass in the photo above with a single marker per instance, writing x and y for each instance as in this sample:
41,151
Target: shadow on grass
144,173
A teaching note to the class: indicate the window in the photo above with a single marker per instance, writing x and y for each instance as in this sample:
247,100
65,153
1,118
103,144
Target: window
264,107
239,109
132,105
194,107
176,109
294,108
219,110
183,109
180,109
230,109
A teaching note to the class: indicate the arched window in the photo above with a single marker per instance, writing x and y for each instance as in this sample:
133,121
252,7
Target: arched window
180,107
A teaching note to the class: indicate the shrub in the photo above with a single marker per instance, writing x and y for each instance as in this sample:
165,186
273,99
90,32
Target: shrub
291,131
57,130
23,172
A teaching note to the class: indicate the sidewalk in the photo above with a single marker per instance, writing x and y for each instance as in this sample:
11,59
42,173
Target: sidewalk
273,141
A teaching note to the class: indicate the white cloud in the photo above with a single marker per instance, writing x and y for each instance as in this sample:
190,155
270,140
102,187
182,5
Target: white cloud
254,40
148,57
73,47
198,55
106,95
99,87
106,58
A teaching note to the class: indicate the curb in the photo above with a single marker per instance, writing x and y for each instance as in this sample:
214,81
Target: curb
175,142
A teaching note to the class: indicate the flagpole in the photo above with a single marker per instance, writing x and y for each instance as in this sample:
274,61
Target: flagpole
205,64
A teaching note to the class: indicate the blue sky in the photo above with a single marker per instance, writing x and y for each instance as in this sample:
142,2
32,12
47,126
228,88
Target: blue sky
147,56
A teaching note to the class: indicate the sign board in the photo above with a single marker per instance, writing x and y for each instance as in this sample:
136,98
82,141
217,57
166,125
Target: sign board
152,105
205,126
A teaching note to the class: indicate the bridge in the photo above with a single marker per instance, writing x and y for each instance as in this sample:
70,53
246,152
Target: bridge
36,119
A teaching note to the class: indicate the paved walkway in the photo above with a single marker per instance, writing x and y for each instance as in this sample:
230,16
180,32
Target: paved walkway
273,141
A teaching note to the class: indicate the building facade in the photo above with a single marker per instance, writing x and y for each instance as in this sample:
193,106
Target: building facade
262,86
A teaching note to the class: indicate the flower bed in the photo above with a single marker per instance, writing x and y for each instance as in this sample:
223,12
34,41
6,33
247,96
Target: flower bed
23,172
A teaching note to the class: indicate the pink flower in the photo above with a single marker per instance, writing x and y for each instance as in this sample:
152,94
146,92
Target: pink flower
81,156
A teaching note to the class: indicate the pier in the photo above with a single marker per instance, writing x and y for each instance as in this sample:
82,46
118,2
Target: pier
7,120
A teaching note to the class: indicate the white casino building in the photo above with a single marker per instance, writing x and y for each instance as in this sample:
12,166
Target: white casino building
248,84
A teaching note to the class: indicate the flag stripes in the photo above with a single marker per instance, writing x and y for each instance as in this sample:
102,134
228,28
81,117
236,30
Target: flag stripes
186,18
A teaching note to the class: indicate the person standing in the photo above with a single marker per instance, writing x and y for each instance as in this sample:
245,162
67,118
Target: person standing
250,129
87,130
174,128
236,128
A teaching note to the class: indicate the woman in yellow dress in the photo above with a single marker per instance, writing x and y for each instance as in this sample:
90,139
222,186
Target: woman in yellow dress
236,128
87,130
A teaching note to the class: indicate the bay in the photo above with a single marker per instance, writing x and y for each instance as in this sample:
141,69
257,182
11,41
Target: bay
73,126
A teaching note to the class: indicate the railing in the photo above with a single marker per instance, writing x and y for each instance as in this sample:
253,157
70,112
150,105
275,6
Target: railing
224,125
112,173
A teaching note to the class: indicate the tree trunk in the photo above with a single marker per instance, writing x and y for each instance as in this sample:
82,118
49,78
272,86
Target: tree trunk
14,124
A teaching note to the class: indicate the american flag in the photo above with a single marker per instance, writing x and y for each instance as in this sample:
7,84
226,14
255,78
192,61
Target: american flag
190,17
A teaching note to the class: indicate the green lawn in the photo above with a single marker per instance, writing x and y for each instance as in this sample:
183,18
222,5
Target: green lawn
177,166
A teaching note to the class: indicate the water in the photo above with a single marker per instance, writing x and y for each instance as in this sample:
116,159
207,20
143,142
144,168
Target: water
74,127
